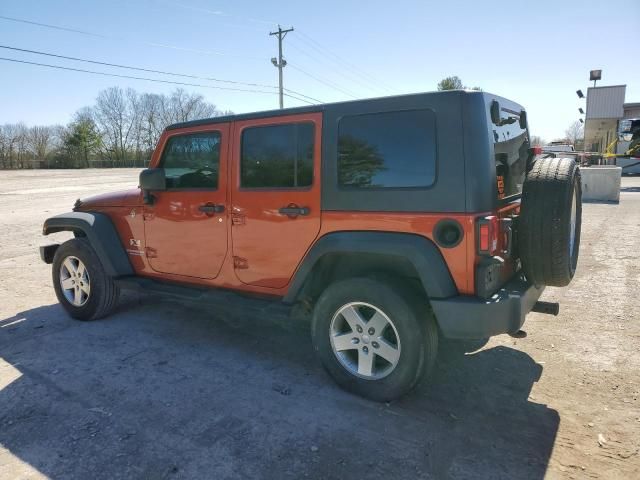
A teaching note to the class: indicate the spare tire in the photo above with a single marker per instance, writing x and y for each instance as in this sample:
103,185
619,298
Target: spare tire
549,222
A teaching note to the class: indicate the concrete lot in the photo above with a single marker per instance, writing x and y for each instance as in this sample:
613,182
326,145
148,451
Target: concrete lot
166,390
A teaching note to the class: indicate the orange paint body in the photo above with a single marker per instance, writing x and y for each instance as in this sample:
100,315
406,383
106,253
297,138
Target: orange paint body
251,246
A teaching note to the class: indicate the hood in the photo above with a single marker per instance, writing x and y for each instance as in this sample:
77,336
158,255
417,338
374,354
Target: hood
122,198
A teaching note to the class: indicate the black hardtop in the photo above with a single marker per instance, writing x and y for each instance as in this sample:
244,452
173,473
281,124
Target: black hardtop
384,102
465,177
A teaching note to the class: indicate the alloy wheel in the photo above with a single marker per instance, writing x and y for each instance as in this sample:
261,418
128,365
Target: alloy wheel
75,281
365,340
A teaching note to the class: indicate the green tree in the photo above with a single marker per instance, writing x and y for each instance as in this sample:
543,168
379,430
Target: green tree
454,83
450,83
359,162
82,140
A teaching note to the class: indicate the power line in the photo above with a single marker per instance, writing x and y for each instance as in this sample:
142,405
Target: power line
113,37
325,82
218,13
96,62
157,80
55,27
173,47
340,71
347,64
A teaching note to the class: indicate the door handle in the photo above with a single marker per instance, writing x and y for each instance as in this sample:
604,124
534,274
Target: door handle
294,211
211,208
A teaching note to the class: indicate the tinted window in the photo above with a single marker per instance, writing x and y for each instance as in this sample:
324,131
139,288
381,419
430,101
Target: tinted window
394,149
192,161
511,145
277,156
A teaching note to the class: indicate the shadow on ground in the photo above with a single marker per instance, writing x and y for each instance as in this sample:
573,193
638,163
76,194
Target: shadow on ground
165,390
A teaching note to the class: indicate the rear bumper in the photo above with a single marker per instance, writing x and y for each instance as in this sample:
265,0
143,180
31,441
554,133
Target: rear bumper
468,317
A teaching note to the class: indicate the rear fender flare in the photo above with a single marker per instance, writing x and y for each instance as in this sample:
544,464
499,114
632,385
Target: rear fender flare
101,234
423,254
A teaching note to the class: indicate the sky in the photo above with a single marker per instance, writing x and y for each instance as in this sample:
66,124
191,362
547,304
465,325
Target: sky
537,53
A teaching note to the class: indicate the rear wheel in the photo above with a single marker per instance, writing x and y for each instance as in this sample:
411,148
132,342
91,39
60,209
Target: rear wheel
550,222
373,337
83,288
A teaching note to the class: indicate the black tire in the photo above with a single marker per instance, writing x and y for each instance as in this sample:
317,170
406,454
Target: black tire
544,232
103,295
411,318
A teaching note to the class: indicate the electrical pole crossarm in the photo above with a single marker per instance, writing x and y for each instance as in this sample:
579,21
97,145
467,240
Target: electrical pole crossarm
280,63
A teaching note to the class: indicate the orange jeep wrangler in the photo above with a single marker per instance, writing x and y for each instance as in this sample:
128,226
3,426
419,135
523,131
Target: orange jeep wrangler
395,220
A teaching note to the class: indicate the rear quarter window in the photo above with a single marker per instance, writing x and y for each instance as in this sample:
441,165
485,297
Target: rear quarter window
387,150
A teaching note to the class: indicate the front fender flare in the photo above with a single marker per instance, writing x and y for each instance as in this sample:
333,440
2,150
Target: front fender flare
423,254
102,235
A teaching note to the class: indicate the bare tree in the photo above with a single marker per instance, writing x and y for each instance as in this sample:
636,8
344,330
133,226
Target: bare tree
575,133
116,120
41,142
13,145
537,141
121,129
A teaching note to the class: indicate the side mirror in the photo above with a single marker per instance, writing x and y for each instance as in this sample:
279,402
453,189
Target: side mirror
152,179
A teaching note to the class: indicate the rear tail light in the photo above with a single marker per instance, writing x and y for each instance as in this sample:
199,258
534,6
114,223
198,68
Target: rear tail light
488,231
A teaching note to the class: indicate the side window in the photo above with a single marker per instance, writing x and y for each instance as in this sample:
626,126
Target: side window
277,156
192,161
387,150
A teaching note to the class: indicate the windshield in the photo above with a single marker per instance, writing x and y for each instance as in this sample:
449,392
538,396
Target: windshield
511,146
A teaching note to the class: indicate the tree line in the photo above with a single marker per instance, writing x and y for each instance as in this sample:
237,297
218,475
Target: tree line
120,130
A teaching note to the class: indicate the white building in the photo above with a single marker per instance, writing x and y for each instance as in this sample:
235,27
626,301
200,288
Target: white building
605,108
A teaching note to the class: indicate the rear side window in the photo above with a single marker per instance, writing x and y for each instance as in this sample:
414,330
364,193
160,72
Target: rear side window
277,156
387,150
192,161
511,146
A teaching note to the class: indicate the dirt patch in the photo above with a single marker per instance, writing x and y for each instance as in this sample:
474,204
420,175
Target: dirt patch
168,390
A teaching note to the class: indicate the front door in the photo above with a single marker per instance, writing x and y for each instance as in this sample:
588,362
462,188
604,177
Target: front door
276,196
186,226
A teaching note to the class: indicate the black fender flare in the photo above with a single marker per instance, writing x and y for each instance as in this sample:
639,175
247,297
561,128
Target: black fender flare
423,254
102,235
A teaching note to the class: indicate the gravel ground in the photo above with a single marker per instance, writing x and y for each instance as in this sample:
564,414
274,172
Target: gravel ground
169,390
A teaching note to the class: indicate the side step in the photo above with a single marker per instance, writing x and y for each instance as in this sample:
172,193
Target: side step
202,295
549,308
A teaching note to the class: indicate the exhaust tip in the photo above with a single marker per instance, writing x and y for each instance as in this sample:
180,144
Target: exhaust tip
548,308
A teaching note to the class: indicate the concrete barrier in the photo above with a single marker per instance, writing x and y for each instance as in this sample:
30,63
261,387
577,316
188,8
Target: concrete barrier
601,183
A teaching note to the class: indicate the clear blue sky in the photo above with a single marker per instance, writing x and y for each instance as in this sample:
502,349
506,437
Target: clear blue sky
534,52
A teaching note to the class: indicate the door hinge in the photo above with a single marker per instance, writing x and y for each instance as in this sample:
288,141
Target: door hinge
238,219
240,263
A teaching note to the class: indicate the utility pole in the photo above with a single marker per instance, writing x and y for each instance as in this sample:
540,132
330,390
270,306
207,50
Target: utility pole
279,62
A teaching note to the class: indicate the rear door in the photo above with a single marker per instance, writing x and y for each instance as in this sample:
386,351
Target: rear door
275,196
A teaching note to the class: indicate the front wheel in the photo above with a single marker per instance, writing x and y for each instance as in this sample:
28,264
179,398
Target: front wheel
82,286
375,338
